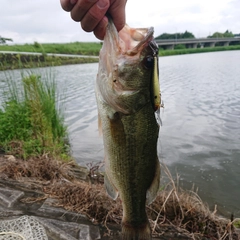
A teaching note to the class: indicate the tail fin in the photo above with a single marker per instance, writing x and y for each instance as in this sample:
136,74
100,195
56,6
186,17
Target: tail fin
130,232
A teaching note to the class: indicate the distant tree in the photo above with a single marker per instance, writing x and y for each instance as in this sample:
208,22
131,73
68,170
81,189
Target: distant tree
165,36
228,34
186,34
221,35
4,40
217,35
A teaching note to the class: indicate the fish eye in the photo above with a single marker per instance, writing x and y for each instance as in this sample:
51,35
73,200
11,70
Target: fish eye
148,62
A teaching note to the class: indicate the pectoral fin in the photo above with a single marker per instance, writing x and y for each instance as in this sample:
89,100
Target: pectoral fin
110,188
153,189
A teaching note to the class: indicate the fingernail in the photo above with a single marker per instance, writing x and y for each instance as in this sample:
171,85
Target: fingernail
102,3
73,1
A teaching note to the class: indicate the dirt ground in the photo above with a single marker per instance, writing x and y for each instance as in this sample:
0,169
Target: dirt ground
175,214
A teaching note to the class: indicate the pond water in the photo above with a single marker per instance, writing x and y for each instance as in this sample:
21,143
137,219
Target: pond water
200,133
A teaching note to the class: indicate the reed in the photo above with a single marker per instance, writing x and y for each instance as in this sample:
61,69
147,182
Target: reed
31,121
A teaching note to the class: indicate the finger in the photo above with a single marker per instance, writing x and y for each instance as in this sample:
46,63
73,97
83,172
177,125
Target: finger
67,5
81,8
100,29
94,16
117,12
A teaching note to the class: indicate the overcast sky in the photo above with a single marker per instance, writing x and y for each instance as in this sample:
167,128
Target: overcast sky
26,21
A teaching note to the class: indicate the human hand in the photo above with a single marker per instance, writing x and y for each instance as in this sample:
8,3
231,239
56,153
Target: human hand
92,14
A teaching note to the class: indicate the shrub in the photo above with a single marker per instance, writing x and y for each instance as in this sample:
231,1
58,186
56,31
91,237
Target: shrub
180,46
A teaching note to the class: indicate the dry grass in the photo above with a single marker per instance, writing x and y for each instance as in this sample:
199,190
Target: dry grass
186,211
174,210
43,168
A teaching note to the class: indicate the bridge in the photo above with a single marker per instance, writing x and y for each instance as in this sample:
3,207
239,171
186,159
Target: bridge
195,42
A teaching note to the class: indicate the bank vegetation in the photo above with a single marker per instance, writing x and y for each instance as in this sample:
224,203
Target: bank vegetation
181,49
80,48
31,119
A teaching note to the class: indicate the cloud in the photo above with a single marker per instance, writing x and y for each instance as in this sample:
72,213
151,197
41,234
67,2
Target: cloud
39,20
199,17
45,21
231,16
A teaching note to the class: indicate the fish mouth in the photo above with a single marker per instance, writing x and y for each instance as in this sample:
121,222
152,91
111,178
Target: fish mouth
129,41
120,54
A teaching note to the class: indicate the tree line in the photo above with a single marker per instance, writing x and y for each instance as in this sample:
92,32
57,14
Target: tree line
187,34
222,35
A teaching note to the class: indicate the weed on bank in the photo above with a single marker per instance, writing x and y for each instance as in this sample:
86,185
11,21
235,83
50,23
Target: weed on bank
31,123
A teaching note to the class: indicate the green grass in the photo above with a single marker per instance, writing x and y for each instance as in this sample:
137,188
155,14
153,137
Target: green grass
93,48
82,48
236,223
196,50
31,122
19,61
16,61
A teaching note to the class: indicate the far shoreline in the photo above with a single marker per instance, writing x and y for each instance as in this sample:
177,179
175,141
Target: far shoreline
24,61
173,52
46,55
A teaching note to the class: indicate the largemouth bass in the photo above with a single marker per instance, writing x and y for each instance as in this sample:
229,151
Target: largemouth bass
128,95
